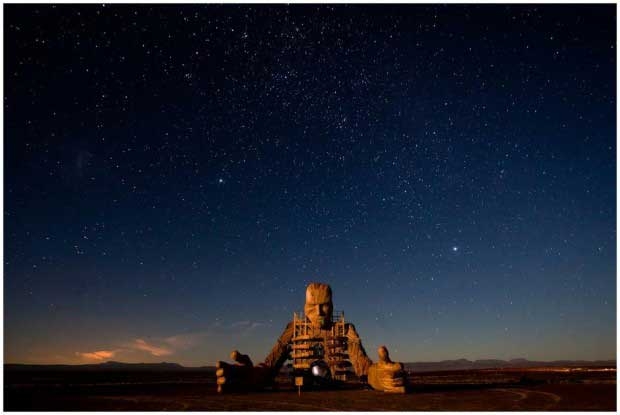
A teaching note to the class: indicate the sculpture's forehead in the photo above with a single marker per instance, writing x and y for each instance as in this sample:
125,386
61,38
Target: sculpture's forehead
317,293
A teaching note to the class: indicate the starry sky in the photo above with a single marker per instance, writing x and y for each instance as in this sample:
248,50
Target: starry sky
175,175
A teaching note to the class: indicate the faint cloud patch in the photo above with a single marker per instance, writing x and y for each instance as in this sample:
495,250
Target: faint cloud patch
141,344
98,355
246,325
185,341
182,342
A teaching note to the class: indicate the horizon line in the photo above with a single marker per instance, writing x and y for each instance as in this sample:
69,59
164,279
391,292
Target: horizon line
405,362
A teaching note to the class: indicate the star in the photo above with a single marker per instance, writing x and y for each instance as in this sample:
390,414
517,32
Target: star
343,170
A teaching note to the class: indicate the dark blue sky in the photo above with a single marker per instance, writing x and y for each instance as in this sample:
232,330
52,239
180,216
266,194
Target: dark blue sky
176,175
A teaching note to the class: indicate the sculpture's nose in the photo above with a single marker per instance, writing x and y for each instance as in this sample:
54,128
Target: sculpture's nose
320,310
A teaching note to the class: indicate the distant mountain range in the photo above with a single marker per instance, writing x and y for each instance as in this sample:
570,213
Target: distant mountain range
464,364
460,364
163,366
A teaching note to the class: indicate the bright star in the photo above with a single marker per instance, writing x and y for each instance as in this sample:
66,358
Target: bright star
455,249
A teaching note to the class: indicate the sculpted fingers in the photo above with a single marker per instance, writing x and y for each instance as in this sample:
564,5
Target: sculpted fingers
397,381
221,369
220,373
240,358
388,377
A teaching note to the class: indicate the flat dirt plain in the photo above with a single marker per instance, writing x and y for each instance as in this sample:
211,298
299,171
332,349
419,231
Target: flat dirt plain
557,389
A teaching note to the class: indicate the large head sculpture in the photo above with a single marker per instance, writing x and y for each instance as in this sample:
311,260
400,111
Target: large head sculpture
319,306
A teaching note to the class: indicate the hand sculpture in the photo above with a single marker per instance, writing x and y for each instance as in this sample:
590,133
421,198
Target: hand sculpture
241,376
386,375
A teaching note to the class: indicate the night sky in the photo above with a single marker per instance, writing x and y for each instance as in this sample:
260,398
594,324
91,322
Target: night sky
174,176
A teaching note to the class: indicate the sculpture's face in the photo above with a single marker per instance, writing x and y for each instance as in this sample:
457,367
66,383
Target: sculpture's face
319,307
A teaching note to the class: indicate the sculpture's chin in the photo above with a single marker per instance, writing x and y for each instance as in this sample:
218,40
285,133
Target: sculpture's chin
321,323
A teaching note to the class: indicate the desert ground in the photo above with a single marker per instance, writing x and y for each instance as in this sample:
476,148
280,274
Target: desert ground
557,389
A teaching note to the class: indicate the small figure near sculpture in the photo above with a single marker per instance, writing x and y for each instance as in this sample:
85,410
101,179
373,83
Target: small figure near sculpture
320,346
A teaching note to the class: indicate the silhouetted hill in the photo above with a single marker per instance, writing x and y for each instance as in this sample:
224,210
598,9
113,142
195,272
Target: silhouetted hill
163,366
459,364
464,364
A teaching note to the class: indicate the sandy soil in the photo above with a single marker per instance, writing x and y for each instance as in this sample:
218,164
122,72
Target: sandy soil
443,391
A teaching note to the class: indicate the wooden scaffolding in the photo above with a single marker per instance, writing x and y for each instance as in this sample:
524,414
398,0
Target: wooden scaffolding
309,345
